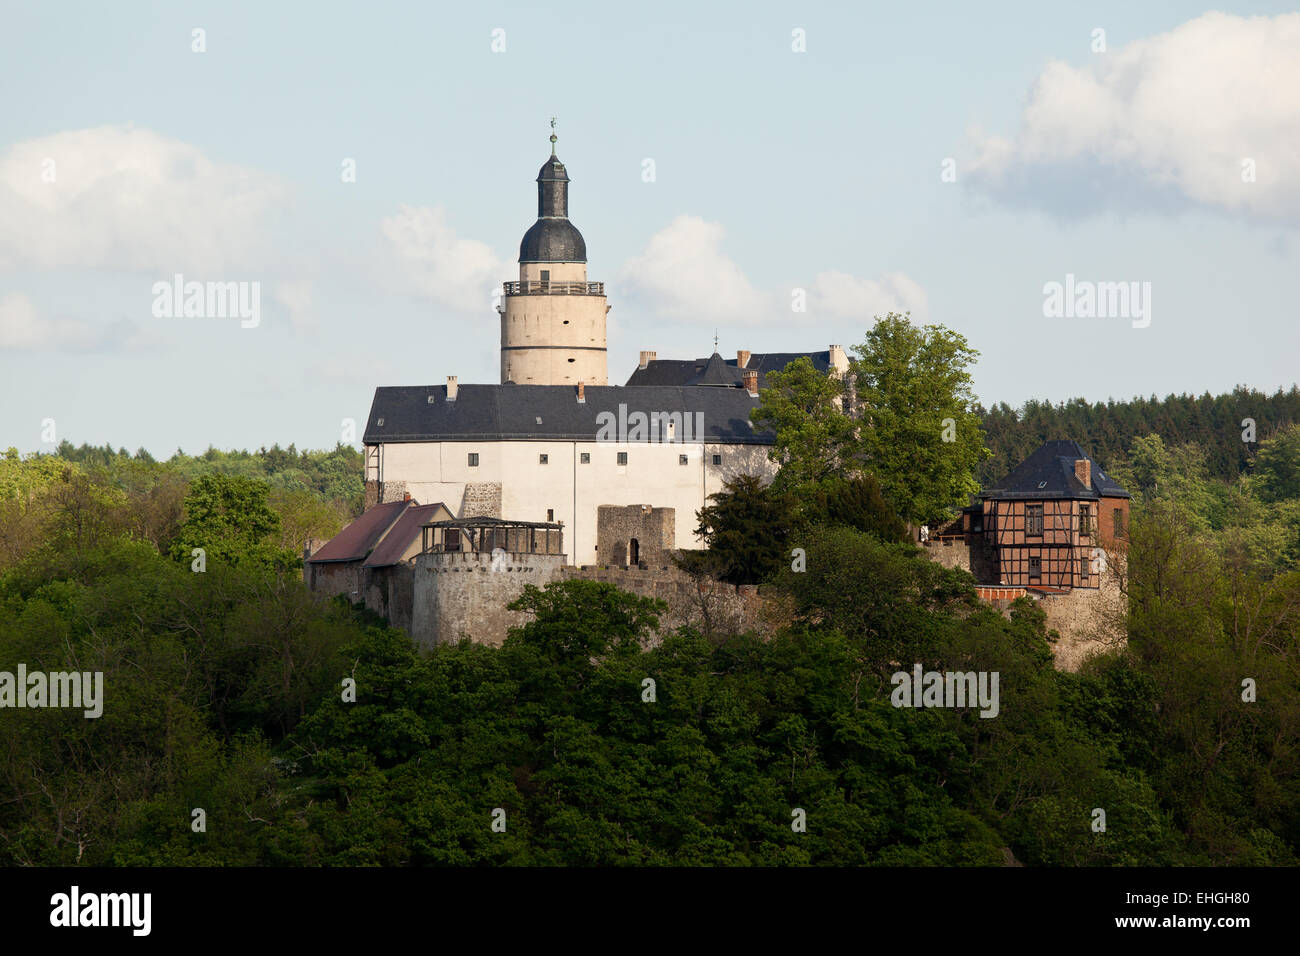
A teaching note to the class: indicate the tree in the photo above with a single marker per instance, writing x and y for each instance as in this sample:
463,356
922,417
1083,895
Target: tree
745,530
1277,468
814,437
229,518
921,436
855,503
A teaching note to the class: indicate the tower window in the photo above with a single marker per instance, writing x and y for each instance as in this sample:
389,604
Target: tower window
622,458
571,361
1035,568
681,459
473,459
543,459
584,458
717,459
1118,515
550,514
1085,519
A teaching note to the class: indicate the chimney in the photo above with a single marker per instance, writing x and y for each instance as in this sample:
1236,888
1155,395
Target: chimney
742,358
750,378
839,361
1083,471
452,386
407,496
582,392
647,358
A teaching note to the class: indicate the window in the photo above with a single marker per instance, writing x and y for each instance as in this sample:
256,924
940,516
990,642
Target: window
682,459
379,422
1035,568
543,459
473,459
1083,567
584,458
546,275
622,458
550,514
1034,520
1085,519
717,459
1118,516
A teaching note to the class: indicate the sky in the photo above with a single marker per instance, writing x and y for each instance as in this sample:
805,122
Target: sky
775,174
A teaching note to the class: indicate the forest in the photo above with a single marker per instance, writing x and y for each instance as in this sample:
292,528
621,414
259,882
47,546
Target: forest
581,742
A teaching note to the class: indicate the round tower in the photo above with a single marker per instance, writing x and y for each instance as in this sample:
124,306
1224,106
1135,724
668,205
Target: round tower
553,319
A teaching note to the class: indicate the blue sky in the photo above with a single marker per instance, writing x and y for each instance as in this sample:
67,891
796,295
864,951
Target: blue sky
126,157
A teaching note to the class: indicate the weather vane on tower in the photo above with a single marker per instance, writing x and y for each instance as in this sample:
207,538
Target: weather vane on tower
553,137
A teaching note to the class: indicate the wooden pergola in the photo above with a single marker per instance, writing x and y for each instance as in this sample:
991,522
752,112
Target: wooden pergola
484,535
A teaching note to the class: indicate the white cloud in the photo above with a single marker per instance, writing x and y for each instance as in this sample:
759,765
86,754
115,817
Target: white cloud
296,298
434,262
21,328
684,274
1164,121
846,296
119,197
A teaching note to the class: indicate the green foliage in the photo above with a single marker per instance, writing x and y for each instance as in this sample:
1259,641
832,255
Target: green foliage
229,518
913,385
745,531
814,437
223,692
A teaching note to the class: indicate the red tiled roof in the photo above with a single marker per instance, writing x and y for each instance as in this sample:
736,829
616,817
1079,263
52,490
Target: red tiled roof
405,530
358,539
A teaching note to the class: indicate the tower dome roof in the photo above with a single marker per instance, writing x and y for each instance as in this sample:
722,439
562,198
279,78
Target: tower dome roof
553,240
552,171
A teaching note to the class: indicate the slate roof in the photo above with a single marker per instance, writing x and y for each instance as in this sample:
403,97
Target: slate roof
405,530
553,240
684,371
1049,473
717,372
358,539
549,412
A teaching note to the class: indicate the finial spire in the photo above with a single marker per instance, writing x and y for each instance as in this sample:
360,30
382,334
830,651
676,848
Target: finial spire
715,340
553,136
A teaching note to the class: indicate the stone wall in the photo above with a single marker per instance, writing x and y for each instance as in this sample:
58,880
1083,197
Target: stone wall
482,500
653,529
333,578
951,552
706,605
390,592
459,594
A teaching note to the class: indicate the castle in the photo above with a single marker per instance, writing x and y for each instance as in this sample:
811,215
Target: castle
554,473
